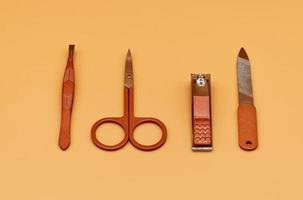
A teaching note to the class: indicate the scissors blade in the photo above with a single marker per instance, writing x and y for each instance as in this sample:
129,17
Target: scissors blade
244,78
128,79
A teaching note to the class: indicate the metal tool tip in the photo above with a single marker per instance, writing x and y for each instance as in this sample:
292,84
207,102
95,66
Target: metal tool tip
129,53
71,47
243,54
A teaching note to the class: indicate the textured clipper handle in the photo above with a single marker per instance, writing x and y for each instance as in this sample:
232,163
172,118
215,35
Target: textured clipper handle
247,126
202,137
202,132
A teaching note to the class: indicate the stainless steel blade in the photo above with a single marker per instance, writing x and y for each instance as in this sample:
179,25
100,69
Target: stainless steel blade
244,78
128,74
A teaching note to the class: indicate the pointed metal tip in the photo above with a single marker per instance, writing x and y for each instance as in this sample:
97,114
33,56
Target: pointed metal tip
71,48
129,53
243,54
128,80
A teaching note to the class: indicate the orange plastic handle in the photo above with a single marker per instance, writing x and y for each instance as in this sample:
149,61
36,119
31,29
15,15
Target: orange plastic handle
119,121
247,126
137,121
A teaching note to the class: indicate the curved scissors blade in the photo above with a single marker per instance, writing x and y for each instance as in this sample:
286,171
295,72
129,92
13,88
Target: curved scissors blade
128,78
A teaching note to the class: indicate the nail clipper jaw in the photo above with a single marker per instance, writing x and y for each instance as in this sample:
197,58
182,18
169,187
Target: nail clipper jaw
201,85
197,148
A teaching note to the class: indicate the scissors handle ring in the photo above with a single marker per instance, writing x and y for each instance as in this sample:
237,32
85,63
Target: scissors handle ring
142,120
119,121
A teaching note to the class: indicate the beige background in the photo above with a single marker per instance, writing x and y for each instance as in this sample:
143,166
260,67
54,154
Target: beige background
169,40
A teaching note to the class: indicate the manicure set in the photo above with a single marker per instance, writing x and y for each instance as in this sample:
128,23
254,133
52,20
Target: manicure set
202,139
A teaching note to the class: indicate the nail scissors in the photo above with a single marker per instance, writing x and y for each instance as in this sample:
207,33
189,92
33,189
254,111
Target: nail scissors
128,122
